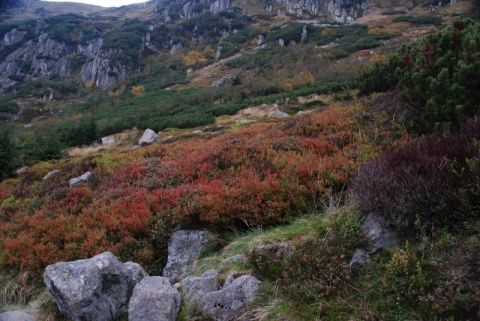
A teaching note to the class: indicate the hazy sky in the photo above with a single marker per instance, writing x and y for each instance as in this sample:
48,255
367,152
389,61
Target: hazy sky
103,3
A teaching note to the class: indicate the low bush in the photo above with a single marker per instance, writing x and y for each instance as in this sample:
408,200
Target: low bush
318,268
426,185
420,20
393,12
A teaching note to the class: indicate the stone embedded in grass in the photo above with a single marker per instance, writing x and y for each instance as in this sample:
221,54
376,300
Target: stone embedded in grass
77,180
380,237
50,174
148,137
108,140
360,258
232,259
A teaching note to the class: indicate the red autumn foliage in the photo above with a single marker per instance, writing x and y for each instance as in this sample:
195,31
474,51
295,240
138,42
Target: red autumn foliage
261,175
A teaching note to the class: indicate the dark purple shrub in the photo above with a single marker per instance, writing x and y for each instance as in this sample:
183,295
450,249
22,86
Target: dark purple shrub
426,185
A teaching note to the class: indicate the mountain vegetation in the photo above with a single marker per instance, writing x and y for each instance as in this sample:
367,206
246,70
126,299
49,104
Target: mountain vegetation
273,131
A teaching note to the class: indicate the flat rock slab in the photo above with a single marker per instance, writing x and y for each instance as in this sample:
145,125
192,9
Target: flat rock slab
16,316
184,248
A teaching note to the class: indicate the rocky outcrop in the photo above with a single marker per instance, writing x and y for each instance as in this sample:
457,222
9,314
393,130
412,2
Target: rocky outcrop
231,300
343,11
154,299
13,36
346,11
16,316
34,54
191,8
94,289
183,249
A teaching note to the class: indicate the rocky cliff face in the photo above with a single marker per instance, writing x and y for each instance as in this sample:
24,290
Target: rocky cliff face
190,8
30,54
342,11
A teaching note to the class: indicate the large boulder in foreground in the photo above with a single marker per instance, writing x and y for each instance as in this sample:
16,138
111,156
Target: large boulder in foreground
16,316
232,300
96,289
184,248
154,299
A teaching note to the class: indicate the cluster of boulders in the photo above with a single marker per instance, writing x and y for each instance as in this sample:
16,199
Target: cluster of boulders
103,288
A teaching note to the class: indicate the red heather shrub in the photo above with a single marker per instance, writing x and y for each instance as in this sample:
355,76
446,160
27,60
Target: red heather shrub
426,185
5,192
263,174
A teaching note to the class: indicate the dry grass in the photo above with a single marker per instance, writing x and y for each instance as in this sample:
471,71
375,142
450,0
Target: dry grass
123,141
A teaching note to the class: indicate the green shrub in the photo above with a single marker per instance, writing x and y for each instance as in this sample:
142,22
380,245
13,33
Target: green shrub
393,12
436,76
420,20
319,268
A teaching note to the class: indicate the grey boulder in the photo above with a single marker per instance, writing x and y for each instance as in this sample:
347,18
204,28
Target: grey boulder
360,258
379,236
154,299
184,248
232,300
16,316
77,180
148,137
97,289
196,287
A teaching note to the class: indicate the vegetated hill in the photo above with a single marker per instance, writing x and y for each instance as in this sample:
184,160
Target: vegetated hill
307,180
63,71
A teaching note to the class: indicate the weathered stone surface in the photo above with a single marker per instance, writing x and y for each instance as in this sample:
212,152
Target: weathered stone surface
50,174
148,137
196,287
183,249
176,48
97,289
154,299
215,128
261,40
379,236
225,304
108,140
280,115
77,180
360,258
304,33
232,259
16,316
220,81
21,170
